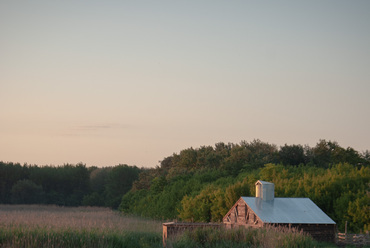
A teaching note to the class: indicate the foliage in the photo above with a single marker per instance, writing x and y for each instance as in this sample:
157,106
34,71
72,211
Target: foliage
41,237
264,237
341,191
203,184
67,185
119,182
291,155
63,185
36,226
51,226
27,192
10,174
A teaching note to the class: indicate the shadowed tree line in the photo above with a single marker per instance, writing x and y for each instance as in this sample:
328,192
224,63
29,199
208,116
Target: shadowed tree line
67,185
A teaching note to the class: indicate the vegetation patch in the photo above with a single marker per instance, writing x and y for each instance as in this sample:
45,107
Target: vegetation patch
202,184
238,238
52,226
41,237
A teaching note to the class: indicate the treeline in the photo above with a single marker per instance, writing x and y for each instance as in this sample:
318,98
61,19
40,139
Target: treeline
67,185
203,184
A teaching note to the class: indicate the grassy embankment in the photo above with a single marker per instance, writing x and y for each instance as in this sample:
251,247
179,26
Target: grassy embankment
52,226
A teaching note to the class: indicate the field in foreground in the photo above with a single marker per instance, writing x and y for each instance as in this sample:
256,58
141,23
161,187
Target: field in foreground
52,226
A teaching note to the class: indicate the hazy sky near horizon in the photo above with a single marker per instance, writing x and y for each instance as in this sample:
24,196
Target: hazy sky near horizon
132,82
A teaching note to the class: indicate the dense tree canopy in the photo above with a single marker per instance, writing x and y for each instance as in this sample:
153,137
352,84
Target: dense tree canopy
202,184
67,185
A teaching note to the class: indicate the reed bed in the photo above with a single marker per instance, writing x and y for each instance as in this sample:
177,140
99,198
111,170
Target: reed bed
99,219
32,226
54,226
269,237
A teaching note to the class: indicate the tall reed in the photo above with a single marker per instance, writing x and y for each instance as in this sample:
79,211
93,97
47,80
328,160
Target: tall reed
269,237
52,226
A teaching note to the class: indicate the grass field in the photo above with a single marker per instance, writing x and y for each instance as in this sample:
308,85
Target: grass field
53,226
88,218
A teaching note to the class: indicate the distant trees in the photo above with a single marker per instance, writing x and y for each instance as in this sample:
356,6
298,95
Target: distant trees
329,152
67,185
26,192
10,174
292,155
201,184
109,184
63,185
119,181
98,181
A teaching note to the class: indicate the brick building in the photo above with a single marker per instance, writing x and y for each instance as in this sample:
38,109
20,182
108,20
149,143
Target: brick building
265,209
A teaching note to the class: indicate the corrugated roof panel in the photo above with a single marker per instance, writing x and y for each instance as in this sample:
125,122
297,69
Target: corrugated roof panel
288,210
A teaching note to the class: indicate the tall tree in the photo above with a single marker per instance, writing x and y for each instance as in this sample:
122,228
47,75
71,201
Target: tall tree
26,192
291,155
119,182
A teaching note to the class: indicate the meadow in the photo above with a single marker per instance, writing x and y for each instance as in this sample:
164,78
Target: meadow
54,226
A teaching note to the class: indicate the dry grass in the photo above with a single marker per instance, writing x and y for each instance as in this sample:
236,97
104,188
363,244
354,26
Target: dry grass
53,226
88,218
267,237
34,226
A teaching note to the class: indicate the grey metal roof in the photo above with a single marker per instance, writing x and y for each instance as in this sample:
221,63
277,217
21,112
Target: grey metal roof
263,182
288,210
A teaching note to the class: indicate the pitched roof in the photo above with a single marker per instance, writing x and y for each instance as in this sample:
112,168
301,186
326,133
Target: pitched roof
288,210
263,182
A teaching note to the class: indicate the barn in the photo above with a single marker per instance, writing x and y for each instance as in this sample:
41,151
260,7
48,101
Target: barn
265,209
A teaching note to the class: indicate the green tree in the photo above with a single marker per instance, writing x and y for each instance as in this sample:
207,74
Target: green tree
98,181
359,211
188,158
291,155
119,182
199,208
234,192
26,192
261,152
144,179
158,184
10,174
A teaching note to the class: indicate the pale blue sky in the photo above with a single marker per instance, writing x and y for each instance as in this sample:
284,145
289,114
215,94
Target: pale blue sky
109,82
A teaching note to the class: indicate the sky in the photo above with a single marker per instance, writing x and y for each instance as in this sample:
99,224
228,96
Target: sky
132,82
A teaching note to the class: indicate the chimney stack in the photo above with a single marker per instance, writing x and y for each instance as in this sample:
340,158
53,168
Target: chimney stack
265,190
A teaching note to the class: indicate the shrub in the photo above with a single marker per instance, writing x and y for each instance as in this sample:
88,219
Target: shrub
241,237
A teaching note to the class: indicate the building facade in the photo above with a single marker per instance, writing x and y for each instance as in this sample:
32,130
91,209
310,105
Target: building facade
265,209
